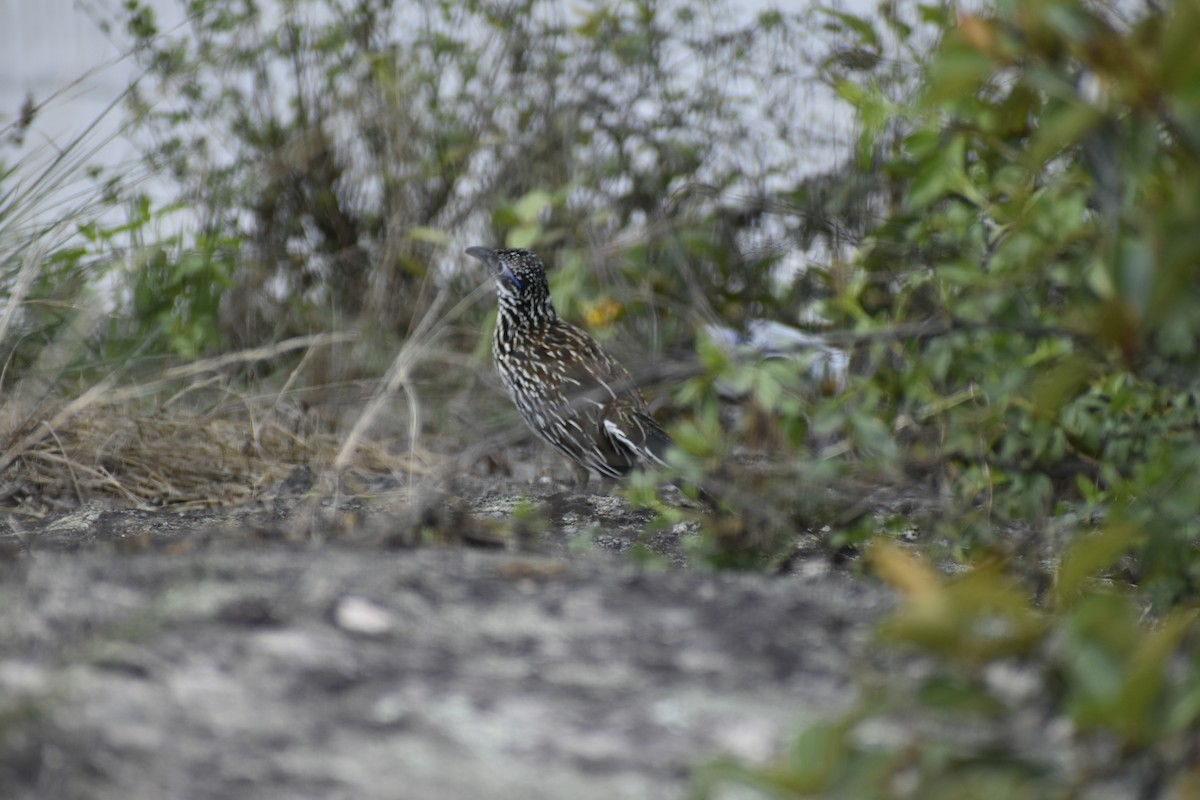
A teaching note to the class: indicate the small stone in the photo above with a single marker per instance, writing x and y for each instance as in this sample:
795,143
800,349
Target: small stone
362,616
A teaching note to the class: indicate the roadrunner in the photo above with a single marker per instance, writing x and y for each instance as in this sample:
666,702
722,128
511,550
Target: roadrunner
569,391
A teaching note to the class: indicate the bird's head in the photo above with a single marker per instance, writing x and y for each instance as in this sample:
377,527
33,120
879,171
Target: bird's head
520,276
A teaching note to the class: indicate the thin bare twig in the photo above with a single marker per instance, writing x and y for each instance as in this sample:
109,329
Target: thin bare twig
427,330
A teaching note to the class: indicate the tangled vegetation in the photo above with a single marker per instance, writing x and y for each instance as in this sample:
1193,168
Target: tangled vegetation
1009,256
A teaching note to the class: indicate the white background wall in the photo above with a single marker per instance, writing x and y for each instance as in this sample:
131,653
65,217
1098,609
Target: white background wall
56,51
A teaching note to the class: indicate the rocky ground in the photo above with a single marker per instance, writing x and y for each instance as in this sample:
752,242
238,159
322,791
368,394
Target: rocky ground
293,651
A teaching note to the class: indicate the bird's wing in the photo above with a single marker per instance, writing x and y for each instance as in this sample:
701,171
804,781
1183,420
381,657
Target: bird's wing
616,426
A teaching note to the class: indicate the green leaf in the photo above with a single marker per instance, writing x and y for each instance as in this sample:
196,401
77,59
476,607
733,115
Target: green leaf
873,436
1089,555
1134,271
530,207
1062,126
712,356
523,237
430,235
1062,381
851,92
1148,665
955,75
940,174
1178,62
862,26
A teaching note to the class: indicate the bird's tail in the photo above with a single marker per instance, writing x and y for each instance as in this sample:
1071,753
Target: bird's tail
657,441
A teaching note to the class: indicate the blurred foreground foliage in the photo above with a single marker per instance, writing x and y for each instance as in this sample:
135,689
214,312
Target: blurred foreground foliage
1039,247
1020,701
1021,308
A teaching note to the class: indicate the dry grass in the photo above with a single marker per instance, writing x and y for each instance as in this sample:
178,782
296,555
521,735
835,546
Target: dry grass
183,459
172,457
159,443
187,438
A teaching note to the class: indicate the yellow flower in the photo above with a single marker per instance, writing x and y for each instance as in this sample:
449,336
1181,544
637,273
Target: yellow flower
602,313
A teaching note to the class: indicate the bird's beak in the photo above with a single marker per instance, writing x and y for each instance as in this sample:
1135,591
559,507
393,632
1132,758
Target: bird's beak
483,254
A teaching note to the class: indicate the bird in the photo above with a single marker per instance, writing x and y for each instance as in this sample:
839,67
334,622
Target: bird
568,390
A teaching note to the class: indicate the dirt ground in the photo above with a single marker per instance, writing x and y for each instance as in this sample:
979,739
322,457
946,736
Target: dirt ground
272,652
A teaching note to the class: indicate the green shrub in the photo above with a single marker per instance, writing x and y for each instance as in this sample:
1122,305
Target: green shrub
1023,311
353,149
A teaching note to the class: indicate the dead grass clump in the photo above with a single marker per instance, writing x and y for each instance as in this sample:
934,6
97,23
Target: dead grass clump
186,460
185,438
162,457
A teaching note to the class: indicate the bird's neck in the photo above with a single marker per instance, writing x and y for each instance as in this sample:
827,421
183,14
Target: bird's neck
517,314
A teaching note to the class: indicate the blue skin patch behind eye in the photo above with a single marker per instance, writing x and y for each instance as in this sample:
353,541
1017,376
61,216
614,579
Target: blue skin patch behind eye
508,276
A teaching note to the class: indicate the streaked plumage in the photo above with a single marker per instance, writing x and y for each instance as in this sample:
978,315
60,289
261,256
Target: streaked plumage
568,390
